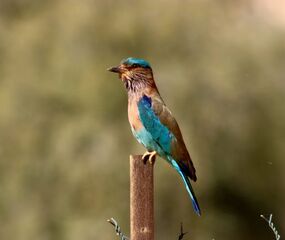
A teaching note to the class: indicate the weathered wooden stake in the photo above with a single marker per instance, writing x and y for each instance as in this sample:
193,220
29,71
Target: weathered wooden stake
142,214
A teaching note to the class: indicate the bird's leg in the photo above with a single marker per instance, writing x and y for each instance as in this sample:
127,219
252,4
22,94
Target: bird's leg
145,156
150,156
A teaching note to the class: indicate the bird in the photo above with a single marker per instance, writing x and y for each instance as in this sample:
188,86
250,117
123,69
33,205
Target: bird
152,123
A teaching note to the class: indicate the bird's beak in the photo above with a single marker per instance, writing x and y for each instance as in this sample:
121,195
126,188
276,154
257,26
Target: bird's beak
117,69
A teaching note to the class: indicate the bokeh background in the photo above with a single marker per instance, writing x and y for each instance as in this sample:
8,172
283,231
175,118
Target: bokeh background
65,140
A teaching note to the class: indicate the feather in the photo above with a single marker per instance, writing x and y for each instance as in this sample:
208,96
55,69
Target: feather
158,120
151,122
156,136
187,185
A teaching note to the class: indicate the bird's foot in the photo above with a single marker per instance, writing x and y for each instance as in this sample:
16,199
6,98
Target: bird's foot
150,156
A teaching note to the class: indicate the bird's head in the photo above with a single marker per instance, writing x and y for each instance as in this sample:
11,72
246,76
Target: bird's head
134,72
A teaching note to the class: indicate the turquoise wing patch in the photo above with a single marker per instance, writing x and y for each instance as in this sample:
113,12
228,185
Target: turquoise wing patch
151,122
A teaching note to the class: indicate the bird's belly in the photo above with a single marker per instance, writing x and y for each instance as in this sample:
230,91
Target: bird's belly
145,138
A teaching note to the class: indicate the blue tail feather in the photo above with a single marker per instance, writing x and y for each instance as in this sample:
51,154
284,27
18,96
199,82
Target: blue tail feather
188,186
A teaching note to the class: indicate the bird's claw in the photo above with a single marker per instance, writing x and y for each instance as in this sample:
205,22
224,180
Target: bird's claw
150,156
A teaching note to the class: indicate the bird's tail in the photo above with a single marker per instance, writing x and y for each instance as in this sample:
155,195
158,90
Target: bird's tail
188,186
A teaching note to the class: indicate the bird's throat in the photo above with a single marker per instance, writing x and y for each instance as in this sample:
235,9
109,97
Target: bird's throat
138,82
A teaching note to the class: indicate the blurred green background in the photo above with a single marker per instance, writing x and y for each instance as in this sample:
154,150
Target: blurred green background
64,136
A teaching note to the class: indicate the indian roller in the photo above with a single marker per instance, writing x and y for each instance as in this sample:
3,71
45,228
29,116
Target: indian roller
152,123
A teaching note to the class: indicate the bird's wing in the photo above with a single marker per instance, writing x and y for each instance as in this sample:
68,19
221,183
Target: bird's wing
159,122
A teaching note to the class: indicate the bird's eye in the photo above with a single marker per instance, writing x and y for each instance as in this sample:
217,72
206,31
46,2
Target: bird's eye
135,65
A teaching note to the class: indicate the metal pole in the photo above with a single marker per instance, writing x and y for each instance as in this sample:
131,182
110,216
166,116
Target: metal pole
141,204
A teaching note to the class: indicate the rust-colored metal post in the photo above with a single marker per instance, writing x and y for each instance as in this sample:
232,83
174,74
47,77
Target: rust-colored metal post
142,214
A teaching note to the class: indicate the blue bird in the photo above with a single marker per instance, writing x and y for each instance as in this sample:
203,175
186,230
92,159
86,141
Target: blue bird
152,123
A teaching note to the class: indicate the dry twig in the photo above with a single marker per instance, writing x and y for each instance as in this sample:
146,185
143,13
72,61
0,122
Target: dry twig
181,233
117,229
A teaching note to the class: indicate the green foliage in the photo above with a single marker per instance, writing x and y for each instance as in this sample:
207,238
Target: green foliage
65,140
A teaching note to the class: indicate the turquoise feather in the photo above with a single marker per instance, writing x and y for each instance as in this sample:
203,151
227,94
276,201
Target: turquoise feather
160,134
187,185
130,61
157,137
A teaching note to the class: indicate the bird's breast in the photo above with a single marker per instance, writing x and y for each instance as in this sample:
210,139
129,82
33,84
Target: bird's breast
133,115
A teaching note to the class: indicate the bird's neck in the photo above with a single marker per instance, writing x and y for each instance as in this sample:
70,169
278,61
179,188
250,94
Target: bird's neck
137,95
139,83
